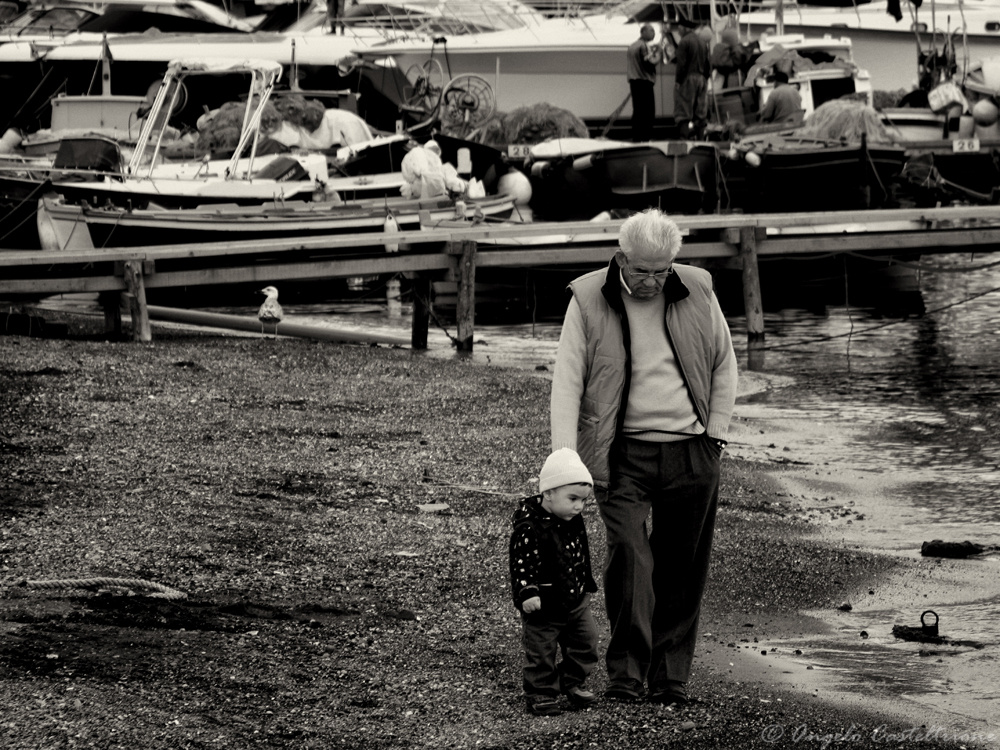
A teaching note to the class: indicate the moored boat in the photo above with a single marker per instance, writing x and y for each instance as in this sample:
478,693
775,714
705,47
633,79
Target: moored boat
577,178
63,225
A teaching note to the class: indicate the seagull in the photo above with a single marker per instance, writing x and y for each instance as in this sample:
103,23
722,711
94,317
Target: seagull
270,311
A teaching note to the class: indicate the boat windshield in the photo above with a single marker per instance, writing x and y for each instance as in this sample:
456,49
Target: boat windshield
54,21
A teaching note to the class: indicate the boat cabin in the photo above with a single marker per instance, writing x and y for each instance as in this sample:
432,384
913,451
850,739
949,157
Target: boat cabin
822,68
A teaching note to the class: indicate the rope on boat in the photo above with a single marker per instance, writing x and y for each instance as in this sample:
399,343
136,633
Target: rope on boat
161,591
30,197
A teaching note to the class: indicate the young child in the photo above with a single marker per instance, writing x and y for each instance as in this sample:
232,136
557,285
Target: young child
552,582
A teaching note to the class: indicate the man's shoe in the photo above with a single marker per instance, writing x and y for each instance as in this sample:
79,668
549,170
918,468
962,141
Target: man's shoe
672,693
580,698
625,693
543,706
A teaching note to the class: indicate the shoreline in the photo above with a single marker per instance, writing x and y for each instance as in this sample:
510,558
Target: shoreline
945,685
285,475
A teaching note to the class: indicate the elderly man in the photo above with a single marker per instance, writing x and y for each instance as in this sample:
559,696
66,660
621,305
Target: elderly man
643,389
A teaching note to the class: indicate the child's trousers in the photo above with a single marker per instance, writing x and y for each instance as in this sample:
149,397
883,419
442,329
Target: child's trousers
574,633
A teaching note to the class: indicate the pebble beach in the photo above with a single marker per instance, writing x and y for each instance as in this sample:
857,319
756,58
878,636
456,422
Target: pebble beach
336,517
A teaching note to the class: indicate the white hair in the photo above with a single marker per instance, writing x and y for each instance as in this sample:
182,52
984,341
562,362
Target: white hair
650,230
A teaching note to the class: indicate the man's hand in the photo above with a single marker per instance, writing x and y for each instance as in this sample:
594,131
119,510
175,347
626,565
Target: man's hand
532,605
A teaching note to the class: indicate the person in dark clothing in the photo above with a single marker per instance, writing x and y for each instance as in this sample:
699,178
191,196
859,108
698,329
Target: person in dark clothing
691,84
728,59
784,105
551,582
641,61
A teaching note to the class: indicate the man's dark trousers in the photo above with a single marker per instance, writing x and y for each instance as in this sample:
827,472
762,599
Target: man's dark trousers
653,582
643,110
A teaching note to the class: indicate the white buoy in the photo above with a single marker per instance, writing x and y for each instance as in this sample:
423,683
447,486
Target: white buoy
985,112
753,158
464,167
517,185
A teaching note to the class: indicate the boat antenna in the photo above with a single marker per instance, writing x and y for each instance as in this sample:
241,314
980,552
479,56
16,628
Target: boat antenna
105,66
965,40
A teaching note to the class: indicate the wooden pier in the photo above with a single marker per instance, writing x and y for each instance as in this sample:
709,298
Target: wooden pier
737,240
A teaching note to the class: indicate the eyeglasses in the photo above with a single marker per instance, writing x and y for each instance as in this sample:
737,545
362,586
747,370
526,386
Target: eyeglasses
642,275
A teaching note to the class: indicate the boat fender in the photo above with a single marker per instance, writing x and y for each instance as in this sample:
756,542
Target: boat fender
10,141
391,226
459,209
540,169
517,186
583,162
752,158
464,158
985,112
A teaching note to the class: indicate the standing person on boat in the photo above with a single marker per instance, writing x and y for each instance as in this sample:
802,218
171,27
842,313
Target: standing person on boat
643,388
691,84
728,58
641,61
784,103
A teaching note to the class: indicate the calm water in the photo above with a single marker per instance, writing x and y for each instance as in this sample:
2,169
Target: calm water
921,389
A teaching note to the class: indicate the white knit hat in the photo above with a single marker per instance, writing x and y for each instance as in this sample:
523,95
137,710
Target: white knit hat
563,467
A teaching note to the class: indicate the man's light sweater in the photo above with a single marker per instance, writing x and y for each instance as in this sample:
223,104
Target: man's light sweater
568,378
659,405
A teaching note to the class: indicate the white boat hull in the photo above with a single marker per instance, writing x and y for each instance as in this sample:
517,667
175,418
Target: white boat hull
887,48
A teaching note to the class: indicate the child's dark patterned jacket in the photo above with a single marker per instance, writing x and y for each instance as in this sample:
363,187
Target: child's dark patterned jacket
549,558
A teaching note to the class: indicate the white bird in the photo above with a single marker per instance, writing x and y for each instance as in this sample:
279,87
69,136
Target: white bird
270,311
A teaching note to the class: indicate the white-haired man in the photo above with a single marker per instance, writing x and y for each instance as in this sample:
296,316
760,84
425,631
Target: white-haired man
643,389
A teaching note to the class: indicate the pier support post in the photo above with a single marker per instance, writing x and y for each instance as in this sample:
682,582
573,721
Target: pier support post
465,312
751,299
111,303
136,296
421,286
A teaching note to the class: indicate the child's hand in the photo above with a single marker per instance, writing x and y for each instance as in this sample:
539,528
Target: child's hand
532,605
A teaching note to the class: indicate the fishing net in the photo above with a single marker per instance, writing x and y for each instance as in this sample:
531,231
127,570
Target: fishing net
221,131
298,110
844,120
532,124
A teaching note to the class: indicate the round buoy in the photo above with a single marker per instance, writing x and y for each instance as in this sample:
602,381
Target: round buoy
517,185
985,112
753,158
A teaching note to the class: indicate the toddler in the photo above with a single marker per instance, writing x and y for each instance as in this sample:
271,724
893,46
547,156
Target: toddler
552,583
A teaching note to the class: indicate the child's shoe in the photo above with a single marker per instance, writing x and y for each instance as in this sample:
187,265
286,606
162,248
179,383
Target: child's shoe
579,697
543,705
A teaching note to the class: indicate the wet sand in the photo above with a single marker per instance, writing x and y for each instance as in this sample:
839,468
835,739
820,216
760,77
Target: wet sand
855,657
